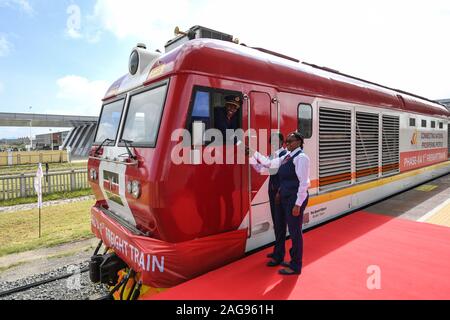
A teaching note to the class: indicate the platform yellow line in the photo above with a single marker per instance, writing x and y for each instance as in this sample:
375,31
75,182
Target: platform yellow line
442,217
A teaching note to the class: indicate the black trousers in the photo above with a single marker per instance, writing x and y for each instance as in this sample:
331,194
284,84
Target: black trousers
279,226
295,225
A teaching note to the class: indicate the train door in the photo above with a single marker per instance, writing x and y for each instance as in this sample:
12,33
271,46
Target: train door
261,119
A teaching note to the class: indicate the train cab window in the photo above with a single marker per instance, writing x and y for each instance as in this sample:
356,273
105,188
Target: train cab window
412,122
201,109
108,124
433,124
214,109
441,125
144,116
424,123
305,120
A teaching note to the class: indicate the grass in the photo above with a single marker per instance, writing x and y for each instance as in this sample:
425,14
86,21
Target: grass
31,168
48,197
19,231
2,269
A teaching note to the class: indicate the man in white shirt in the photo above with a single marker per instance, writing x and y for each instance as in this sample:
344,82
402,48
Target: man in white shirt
293,171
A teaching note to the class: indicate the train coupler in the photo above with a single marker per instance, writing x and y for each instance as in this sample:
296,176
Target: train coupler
104,268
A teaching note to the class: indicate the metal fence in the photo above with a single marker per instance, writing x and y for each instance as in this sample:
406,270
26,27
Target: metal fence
22,186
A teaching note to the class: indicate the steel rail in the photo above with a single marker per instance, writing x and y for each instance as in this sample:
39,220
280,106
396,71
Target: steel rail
40,283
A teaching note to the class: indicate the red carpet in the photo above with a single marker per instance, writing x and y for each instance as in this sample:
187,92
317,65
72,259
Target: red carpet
414,260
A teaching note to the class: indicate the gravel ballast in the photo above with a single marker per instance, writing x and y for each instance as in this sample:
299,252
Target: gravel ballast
77,287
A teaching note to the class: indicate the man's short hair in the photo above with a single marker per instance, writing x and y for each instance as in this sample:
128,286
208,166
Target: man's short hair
298,136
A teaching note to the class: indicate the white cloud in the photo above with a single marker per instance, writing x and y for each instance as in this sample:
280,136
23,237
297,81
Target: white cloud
80,96
23,5
5,46
146,20
402,44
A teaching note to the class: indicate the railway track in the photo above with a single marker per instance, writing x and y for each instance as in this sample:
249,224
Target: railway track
85,291
36,284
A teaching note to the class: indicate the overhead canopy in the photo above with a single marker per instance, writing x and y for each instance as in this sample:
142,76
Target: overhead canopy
44,120
445,102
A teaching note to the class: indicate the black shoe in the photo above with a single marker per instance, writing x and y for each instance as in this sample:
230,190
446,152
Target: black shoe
285,264
289,272
273,263
270,255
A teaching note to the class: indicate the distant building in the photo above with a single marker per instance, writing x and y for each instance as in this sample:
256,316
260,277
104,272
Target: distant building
50,141
15,141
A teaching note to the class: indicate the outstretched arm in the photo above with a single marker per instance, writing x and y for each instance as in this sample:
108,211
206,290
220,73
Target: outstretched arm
268,163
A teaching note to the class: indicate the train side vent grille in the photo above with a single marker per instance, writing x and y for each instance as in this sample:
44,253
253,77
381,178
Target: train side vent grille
391,140
367,146
335,143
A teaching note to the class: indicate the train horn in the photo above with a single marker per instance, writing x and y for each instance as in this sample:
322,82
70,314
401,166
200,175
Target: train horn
178,32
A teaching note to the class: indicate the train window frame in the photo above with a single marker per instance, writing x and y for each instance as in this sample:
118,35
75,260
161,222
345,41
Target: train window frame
310,120
210,90
412,122
433,124
424,123
165,82
441,125
105,103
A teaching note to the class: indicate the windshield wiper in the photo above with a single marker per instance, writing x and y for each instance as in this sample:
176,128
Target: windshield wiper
102,144
127,146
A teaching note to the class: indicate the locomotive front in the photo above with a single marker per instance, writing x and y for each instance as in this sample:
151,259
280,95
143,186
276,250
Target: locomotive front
145,249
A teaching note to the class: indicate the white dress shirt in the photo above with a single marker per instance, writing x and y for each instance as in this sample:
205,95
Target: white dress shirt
261,169
301,163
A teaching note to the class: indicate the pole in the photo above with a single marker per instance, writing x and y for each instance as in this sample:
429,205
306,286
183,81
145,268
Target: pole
38,189
31,138
39,222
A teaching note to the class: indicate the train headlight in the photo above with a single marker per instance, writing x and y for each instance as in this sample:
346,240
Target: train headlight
136,189
130,187
93,174
134,62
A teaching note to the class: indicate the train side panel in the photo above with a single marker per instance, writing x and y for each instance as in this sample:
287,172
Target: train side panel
375,134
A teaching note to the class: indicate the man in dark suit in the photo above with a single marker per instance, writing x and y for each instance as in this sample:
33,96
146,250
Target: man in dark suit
227,117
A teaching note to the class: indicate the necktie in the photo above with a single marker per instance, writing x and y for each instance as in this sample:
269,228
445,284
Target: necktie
285,160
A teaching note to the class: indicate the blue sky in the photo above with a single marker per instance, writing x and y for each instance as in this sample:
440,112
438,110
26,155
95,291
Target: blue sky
61,65
44,67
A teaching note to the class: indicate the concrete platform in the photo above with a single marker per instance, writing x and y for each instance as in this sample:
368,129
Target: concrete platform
418,204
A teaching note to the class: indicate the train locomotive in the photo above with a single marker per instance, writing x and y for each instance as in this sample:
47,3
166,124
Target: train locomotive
170,206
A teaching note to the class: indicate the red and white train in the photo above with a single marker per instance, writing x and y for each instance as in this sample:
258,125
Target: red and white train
166,222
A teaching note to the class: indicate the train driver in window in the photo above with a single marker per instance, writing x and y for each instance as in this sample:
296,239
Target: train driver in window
227,117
